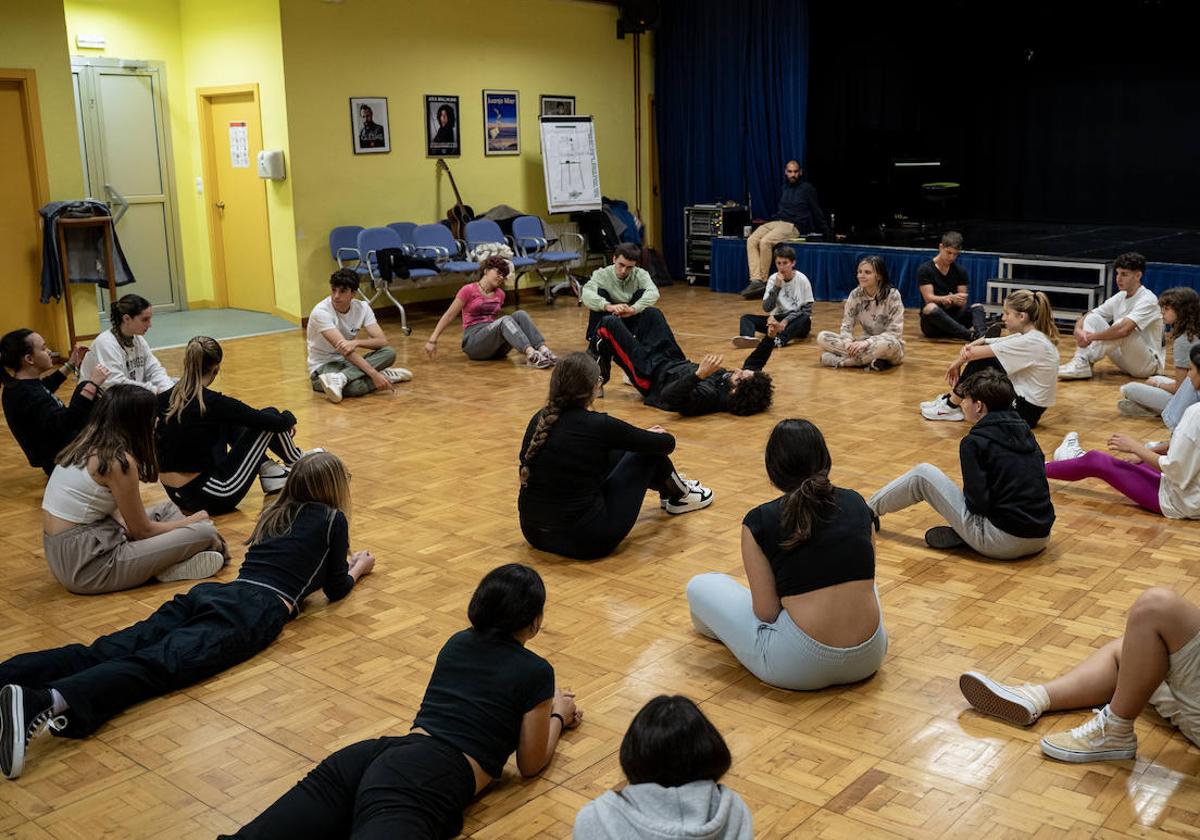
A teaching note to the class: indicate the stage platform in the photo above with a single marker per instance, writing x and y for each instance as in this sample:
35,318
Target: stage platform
830,267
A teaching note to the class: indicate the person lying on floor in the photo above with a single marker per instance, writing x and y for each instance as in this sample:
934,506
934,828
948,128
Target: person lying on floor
299,545
667,379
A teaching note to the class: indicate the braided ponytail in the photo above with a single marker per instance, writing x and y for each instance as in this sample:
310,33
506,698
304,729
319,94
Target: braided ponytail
572,385
798,463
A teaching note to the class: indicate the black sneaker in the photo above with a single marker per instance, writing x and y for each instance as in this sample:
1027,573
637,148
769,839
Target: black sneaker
880,365
25,713
994,329
943,536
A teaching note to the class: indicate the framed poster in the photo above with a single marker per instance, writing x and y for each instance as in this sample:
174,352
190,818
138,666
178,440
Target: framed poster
369,125
441,126
556,106
501,132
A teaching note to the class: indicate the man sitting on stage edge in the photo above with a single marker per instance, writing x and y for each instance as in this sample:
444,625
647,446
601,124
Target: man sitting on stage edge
798,214
657,367
623,289
1128,328
943,285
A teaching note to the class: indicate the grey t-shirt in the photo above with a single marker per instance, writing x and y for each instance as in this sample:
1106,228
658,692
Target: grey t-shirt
1182,349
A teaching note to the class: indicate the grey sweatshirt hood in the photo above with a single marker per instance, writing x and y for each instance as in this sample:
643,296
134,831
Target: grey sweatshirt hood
700,810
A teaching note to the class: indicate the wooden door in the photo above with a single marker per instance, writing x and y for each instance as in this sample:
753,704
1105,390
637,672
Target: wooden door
242,271
23,175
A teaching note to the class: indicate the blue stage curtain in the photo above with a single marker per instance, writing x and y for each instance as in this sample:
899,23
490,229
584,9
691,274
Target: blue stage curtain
731,92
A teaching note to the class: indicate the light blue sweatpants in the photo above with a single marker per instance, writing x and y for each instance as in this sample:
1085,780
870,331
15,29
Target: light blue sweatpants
778,653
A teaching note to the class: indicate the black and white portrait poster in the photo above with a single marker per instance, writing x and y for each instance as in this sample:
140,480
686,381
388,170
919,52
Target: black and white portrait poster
441,126
369,125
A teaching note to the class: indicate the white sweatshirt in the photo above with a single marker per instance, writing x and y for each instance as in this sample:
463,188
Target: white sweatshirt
133,365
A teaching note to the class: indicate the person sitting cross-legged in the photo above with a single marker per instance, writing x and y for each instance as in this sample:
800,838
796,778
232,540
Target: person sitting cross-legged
336,364
1156,662
1004,509
875,305
788,302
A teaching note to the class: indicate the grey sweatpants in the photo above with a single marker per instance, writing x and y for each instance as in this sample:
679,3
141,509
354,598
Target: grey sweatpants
926,483
100,556
357,384
493,340
779,653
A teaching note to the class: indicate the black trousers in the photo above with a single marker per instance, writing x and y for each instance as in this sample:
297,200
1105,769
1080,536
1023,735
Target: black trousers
190,638
1029,412
415,788
622,492
639,354
953,322
222,488
594,316
797,328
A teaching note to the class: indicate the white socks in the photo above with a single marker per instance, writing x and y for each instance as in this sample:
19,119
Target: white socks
60,702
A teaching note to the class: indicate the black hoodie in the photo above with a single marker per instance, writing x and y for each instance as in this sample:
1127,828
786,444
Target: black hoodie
1004,475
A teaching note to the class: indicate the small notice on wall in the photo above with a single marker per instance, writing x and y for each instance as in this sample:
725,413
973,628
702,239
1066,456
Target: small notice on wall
239,145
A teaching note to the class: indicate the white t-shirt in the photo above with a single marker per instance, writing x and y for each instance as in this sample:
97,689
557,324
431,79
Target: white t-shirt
1031,361
325,317
1179,490
132,365
1142,309
793,294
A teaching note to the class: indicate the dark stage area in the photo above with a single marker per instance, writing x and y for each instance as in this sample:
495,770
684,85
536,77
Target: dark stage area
1052,239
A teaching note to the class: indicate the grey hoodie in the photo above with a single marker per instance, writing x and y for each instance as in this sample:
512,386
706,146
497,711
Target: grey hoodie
701,810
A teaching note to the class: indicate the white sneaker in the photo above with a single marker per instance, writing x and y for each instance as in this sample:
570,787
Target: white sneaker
1069,448
744,342
690,483
1154,444
930,403
197,567
1013,703
698,497
333,383
1100,739
832,360
395,375
1077,368
942,410
272,476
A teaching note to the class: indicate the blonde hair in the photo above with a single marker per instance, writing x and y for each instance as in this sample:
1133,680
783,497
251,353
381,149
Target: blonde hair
202,355
1037,306
318,477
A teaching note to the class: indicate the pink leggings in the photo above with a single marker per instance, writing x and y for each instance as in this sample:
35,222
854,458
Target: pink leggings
1137,481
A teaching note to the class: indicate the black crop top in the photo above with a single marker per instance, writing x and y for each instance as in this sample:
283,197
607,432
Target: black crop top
838,551
482,686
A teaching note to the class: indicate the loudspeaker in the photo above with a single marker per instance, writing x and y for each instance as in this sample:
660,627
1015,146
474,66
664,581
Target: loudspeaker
638,16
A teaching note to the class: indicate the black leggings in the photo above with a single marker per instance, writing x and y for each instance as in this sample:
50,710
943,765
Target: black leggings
631,475
190,638
1029,412
414,787
222,488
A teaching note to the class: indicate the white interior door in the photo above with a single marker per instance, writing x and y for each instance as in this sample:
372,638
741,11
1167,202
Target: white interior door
123,123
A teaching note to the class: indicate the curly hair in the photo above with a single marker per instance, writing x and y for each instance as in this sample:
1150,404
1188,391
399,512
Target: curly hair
499,263
752,395
1185,303
571,386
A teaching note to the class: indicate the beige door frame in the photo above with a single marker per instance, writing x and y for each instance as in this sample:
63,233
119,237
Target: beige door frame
26,79
216,243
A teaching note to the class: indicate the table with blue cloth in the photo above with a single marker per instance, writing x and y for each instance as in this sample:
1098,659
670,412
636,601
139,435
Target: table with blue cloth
831,268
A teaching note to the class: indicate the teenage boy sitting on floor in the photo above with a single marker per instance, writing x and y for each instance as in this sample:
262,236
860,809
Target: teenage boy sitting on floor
666,379
788,300
336,363
1004,509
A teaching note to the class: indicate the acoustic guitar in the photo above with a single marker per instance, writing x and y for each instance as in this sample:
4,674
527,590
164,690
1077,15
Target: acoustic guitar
460,213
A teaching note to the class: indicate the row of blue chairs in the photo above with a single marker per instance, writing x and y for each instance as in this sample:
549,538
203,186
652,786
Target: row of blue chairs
356,247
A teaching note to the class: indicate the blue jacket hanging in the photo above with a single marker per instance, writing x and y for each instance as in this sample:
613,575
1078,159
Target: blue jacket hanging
85,248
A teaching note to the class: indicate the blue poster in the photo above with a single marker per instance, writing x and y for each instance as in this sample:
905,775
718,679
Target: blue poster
501,126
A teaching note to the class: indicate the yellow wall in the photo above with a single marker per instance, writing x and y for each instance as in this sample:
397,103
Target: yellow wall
33,36
229,42
204,43
333,51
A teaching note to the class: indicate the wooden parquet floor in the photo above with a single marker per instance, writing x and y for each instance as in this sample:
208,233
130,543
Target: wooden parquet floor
435,481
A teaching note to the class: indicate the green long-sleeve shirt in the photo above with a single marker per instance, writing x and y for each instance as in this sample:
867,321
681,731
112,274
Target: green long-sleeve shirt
619,291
